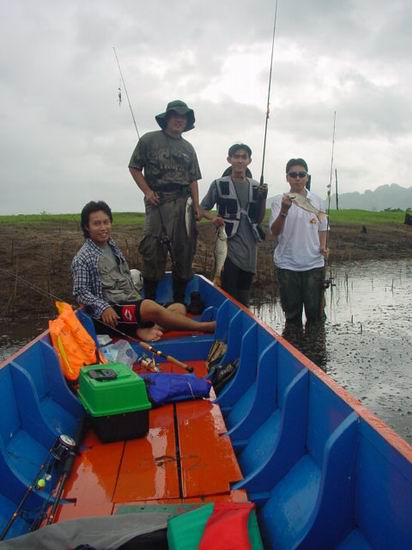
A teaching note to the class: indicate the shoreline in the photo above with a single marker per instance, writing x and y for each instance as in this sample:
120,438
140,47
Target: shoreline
35,258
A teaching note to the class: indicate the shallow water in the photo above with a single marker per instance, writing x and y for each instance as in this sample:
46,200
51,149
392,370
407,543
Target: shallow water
366,345
367,342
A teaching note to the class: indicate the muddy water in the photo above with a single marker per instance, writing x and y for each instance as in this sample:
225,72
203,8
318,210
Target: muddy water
366,345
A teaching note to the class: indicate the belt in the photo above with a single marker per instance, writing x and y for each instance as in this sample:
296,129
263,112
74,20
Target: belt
170,188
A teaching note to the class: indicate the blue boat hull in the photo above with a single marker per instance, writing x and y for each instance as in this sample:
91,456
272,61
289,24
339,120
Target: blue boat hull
321,469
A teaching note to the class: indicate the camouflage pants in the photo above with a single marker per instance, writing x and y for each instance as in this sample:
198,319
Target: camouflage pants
166,222
298,289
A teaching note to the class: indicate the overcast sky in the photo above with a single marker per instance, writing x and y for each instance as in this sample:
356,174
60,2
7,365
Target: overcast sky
65,139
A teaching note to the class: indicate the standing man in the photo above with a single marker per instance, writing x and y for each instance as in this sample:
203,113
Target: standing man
301,248
164,166
241,204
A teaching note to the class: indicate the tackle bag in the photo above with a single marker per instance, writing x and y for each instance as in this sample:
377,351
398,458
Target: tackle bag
165,387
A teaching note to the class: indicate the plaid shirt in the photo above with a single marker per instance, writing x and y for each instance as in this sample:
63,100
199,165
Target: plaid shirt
87,286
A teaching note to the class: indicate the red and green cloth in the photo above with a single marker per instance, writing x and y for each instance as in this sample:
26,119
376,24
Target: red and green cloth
219,526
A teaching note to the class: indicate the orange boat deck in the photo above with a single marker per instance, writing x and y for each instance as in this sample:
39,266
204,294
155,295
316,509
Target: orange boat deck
185,458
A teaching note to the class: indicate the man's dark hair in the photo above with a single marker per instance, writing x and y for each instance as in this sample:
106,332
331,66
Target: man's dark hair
93,206
235,148
296,162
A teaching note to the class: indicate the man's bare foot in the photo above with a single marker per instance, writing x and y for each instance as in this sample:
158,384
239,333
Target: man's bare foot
207,326
149,334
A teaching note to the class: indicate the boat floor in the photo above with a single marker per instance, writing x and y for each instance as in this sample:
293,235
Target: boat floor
186,457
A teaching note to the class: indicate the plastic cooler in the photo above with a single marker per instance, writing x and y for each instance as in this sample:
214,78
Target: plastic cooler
116,399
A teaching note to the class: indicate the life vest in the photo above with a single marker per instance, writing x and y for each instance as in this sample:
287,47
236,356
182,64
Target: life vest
229,208
74,346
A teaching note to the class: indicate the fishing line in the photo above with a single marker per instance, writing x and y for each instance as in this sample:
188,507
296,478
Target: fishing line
142,343
269,92
125,89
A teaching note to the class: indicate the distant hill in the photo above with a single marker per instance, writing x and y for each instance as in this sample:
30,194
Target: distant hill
385,196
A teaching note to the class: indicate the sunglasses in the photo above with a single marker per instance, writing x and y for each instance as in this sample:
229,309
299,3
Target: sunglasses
295,175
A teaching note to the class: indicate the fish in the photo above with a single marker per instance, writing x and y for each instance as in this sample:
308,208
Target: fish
305,204
220,254
189,216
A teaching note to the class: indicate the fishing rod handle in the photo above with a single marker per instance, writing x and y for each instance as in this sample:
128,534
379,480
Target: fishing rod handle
169,358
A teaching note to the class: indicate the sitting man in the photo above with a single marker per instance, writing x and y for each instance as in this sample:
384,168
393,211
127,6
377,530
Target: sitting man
102,282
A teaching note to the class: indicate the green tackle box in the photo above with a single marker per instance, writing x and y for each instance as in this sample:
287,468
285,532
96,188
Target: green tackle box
116,399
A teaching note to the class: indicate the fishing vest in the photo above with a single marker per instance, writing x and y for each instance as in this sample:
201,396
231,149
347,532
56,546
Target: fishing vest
229,208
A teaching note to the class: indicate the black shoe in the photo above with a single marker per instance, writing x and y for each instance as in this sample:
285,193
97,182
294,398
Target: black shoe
196,305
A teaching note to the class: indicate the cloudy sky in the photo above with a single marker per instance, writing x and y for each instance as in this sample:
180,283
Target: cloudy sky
65,139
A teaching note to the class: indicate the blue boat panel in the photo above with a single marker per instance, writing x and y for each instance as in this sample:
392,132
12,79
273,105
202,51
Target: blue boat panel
247,370
326,412
354,541
19,527
383,492
261,445
265,396
320,484
290,505
39,371
287,444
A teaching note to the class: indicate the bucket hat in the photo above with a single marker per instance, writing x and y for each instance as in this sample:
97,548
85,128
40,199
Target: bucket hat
180,108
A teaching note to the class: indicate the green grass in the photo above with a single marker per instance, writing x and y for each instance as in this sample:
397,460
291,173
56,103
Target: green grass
360,217
119,218
363,217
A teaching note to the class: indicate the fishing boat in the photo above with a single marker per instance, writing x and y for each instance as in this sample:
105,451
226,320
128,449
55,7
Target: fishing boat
320,469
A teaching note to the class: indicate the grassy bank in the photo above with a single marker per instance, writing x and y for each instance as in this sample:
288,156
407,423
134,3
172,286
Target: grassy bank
362,217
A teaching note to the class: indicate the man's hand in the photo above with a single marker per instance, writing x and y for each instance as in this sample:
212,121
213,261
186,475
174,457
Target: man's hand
218,222
324,251
110,317
286,204
198,213
262,191
152,197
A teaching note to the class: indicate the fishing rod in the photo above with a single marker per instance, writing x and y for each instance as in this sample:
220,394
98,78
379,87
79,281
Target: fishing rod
269,92
140,343
329,281
164,239
329,186
125,89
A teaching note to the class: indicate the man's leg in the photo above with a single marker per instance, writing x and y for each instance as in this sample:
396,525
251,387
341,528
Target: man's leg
153,252
245,282
230,274
183,245
172,320
313,289
290,293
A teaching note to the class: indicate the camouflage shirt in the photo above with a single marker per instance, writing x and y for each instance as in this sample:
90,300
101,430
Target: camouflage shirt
165,159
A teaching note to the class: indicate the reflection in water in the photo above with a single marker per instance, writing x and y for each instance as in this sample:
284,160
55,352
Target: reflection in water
310,340
366,342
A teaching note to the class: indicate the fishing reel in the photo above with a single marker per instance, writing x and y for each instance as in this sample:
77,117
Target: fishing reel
63,447
328,283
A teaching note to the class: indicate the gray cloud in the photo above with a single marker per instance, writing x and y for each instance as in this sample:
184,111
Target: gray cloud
64,138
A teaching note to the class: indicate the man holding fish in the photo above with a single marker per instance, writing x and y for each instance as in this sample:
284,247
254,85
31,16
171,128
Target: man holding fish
165,168
299,223
241,204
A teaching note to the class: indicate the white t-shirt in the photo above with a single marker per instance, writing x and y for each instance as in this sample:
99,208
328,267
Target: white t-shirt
298,247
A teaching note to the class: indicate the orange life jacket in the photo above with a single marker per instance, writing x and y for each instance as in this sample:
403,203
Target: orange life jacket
73,344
